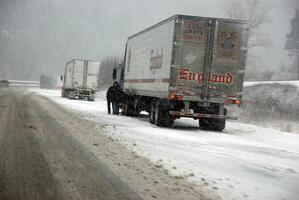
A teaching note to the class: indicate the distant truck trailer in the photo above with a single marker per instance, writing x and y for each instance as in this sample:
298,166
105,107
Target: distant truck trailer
185,66
80,79
4,84
48,82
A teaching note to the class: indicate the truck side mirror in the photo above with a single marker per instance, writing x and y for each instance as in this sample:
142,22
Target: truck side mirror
114,74
61,78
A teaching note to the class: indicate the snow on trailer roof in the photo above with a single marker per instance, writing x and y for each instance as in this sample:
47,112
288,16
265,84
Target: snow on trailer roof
186,17
81,60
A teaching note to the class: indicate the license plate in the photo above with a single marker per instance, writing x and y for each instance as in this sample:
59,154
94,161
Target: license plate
191,98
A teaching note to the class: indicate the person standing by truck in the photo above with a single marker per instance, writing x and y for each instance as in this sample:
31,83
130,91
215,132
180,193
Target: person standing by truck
109,97
117,98
114,97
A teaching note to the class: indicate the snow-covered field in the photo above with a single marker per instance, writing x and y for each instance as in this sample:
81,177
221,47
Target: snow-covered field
271,104
242,162
295,83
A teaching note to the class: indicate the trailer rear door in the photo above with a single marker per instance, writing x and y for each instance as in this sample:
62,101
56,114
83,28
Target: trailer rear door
208,58
78,79
92,74
69,72
226,74
191,40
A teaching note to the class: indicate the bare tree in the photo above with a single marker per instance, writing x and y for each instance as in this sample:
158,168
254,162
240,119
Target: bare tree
286,72
106,69
267,75
292,43
257,14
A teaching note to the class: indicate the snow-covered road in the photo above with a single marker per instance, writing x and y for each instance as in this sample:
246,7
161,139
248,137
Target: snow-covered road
242,162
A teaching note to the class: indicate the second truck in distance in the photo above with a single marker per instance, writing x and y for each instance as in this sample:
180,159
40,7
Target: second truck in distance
80,79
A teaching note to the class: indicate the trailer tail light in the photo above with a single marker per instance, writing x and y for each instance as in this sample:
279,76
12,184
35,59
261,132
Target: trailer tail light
237,102
233,101
172,96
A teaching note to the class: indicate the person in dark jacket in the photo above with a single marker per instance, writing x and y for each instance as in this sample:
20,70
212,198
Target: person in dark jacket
110,98
116,98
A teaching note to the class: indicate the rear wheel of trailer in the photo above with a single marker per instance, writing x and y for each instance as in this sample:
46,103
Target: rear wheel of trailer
91,97
71,94
159,115
152,113
211,124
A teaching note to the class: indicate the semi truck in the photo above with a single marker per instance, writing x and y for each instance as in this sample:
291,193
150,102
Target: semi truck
80,79
4,83
185,66
48,82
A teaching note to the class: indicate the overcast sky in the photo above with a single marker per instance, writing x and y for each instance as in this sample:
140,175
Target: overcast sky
44,34
282,13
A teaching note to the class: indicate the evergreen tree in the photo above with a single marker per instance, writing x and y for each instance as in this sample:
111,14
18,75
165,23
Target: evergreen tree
292,42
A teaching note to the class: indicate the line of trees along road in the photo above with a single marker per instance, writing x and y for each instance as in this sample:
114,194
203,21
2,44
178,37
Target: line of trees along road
106,69
257,13
292,44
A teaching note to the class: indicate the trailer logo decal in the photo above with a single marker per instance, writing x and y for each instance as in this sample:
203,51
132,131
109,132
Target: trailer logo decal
186,74
228,39
193,31
156,59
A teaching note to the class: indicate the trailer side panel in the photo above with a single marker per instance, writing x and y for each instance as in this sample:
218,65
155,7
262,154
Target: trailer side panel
69,72
148,61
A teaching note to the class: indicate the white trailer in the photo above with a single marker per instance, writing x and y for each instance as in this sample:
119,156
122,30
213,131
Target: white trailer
80,79
48,82
186,66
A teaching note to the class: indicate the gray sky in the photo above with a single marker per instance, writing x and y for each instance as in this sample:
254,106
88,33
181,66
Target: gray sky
39,36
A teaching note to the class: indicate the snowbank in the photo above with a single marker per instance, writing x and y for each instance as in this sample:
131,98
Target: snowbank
267,104
294,83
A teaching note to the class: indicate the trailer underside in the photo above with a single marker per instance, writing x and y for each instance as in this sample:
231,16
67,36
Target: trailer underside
80,93
163,112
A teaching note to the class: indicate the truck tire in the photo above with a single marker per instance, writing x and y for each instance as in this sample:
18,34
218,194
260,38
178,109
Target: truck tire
91,97
212,124
128,109
62,92
169,121
136,107
152,114
161,116
71,94
124,109
158,115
